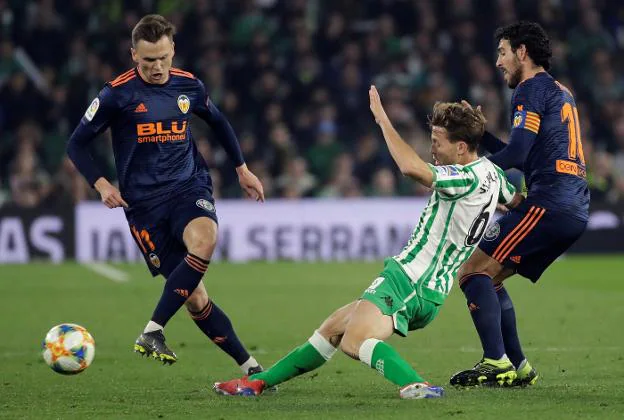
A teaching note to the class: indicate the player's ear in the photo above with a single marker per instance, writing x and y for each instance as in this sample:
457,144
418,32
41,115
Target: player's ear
462,147
134,55
172,48
521,52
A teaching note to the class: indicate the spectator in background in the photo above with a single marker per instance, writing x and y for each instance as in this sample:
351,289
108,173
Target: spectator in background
282,149
296,181
30,185
384,183
292,77
342,180
69,186
323,153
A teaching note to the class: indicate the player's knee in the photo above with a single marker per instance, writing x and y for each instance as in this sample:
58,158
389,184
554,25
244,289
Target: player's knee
198,299
465,269
202,244
331,331
326,329
471,267
202,249
200,237
350,344
337,322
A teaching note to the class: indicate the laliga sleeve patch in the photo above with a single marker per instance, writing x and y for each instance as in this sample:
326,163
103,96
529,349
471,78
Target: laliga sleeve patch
95,105
447,170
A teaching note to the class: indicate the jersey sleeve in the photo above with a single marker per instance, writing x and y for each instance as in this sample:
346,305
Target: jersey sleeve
507,190
96,119
100,113
206,110
528,106
453,181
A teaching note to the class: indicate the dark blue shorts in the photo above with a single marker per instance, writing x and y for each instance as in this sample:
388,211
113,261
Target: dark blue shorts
529,238
157,228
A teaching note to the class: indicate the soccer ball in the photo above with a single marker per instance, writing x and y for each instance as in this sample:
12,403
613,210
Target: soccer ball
68,349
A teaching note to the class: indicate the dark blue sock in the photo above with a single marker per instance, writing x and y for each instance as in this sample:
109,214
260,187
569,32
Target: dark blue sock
218,327
182,281
508,327
485,311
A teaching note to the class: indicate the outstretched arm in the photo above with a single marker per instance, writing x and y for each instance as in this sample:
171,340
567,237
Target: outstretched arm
406,158
526,123
515,153
491,143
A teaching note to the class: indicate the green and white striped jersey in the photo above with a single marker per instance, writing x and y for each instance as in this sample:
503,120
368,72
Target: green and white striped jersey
462,204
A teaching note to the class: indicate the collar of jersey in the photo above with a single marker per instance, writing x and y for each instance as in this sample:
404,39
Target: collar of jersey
538,74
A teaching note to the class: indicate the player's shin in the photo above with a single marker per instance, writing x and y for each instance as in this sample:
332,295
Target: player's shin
508,327
387,361
216,325
179,286
485,311
305,358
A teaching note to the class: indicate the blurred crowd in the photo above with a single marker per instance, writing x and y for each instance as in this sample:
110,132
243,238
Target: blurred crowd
292,77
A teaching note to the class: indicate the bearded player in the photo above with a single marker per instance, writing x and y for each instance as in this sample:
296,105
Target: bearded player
545,143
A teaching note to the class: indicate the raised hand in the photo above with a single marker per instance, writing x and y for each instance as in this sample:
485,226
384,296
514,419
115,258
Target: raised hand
375,105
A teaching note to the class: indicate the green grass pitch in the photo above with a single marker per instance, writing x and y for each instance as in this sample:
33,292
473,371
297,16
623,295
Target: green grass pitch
570,324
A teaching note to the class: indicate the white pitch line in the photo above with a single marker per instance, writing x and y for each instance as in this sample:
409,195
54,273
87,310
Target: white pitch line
108,271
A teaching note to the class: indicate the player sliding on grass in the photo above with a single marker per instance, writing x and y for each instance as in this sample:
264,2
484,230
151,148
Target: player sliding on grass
408,293
166,189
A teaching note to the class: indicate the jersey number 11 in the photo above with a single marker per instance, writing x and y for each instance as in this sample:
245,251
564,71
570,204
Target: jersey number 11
569,115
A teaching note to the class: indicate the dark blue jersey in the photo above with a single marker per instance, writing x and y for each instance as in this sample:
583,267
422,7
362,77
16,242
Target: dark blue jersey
545,120
152,143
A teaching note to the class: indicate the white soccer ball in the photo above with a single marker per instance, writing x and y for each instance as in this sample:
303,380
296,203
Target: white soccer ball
68,349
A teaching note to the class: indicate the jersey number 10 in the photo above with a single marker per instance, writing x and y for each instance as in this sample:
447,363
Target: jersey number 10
569,115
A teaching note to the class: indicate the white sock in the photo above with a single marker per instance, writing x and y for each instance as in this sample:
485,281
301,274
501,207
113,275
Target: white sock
152,326
366,351
251,362
322,345
504,358
522,364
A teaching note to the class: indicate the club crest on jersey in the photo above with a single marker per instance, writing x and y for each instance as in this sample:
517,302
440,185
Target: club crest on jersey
154,260
205,204
492,232
518,119
184,103
92,109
